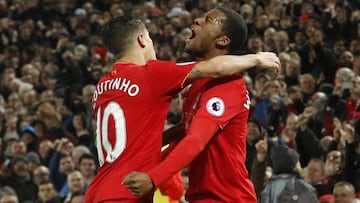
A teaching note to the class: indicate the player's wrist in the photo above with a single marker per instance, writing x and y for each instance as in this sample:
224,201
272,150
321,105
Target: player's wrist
155,180
255,59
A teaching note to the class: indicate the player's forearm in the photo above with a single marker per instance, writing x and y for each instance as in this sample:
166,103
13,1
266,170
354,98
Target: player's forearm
228,64
221,66
225,65
186,151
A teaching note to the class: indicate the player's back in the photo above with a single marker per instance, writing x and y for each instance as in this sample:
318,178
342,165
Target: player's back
130,106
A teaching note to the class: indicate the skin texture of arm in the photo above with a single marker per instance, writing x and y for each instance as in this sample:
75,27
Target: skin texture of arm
225,65
187,150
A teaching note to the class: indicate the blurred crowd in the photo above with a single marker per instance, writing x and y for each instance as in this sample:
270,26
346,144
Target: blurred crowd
51,56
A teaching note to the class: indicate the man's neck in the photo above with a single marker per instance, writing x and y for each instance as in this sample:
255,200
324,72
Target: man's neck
134,57
211,54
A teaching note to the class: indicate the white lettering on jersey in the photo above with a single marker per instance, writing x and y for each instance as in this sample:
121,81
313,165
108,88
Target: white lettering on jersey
215,106
121,84
248,101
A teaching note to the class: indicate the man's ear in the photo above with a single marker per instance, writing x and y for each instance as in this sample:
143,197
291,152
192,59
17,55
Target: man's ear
140,39
223,41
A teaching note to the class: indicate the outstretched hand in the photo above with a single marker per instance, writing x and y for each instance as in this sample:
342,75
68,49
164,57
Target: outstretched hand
138,183
269,60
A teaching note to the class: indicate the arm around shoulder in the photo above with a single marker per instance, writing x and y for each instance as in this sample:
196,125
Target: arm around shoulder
225,65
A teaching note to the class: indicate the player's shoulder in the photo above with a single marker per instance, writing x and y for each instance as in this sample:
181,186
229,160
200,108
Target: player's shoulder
153,63
233,80
226,87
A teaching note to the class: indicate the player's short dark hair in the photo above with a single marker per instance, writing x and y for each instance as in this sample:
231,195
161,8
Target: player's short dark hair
235,28
117,34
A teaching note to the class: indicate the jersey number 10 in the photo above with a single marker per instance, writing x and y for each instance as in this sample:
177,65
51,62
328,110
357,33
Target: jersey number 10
102,139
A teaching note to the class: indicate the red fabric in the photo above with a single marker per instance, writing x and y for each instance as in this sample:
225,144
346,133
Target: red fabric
291,109
328,198
357,194
219,167
356,115
304,18
125,201
130,107
328,123
351,107
292,144
173,187
101,51
185,151
156,12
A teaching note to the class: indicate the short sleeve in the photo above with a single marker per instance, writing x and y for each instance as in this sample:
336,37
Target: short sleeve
221,101
168,77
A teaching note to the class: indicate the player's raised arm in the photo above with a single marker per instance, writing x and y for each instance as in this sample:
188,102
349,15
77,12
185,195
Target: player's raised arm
225,65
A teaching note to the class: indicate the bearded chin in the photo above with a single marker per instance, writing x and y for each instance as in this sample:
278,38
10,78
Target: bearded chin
194,52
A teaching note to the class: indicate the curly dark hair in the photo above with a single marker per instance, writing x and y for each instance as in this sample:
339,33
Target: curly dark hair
235,28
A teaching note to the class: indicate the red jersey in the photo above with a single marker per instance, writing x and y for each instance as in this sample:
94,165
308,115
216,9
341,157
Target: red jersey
218,174
130,106
217,171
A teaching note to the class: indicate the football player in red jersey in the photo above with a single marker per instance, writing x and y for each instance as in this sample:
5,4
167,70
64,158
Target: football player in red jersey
215,123
131,102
